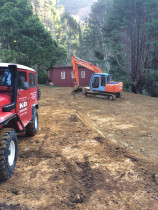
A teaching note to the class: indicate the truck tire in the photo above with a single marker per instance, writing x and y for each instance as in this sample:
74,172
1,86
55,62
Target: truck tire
38,93
8,153
32,127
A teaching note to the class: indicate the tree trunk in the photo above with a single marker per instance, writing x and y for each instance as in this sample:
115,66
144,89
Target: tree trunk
133,88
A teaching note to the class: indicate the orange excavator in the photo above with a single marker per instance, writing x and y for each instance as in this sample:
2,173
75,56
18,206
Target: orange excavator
101,84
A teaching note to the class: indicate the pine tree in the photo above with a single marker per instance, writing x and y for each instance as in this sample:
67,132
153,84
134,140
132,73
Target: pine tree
127,38
23,33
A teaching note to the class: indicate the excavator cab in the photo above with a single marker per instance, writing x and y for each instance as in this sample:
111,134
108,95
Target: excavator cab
99,80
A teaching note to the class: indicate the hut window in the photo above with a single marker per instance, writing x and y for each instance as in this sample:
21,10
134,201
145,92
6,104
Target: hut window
48,73
63,75
72,75
82,74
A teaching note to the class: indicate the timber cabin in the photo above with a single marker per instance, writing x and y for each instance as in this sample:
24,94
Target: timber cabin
63,76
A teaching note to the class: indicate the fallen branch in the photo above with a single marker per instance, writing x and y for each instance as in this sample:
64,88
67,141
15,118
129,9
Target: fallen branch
155,197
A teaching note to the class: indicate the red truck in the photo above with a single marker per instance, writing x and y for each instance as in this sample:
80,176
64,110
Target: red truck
19,97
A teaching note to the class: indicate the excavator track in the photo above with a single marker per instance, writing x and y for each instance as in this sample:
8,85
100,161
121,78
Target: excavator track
97,94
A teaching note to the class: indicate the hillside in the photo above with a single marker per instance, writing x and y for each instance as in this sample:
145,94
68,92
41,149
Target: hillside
48,10
78,7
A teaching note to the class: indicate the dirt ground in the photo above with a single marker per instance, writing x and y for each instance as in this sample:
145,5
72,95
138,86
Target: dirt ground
89,154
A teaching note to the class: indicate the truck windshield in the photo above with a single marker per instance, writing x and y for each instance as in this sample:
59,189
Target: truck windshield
5,77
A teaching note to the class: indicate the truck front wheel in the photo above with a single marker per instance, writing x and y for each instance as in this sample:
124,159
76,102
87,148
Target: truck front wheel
32,127
8,153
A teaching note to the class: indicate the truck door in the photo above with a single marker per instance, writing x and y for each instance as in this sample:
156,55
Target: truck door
22,98
32,89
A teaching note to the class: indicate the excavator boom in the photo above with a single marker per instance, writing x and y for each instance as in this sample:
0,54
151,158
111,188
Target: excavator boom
77,61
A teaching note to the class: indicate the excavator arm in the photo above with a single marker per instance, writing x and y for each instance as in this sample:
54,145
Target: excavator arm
77,61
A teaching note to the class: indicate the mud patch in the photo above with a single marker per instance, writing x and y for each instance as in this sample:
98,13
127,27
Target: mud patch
12,207
84,181
73,118
99,139
31,153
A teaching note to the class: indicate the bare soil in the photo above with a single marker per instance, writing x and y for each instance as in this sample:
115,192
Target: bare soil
90,153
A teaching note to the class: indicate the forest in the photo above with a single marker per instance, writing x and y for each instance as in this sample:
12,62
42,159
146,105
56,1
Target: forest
121,36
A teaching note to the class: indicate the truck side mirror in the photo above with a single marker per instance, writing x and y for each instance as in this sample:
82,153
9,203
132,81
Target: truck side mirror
26,85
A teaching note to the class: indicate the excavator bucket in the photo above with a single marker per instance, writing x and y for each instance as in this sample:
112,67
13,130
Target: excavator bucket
77,89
